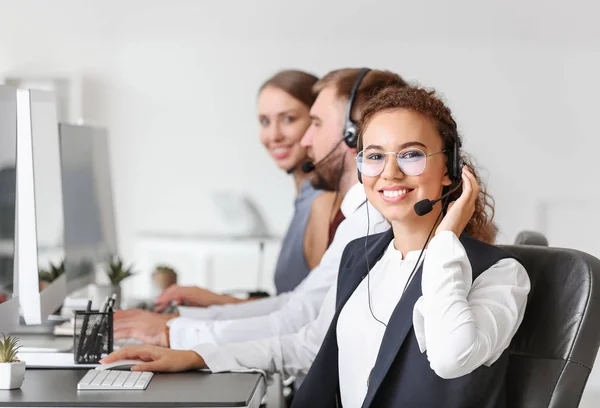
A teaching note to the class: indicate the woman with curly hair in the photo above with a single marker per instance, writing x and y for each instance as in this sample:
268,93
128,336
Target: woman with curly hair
409,333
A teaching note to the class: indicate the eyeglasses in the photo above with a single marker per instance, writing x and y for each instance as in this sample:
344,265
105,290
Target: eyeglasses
412,162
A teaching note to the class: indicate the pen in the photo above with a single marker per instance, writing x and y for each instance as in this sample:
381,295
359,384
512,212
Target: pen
98,331
111,302
83,331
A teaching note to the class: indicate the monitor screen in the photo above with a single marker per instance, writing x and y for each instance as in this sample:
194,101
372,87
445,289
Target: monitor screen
90,235
47,181
9,306
8,180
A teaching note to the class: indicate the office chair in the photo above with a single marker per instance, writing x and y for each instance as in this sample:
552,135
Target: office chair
531,238
553,352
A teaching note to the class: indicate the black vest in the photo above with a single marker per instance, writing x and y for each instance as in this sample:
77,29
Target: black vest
402,376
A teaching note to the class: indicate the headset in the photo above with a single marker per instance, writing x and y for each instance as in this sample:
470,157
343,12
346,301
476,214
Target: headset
350,128
350,135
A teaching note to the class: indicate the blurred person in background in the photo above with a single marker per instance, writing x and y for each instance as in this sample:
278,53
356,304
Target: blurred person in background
283,105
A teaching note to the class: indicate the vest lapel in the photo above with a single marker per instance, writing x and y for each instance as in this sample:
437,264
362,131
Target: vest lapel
398,327
350,278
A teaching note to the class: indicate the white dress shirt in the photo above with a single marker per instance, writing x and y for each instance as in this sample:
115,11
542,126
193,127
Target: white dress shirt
460,323
290,354
300,306
254,308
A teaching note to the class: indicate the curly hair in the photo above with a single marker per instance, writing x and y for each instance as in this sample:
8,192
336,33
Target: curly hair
428,104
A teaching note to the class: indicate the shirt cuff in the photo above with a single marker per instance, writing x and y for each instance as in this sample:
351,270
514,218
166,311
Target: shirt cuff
201,313
184,333
218,360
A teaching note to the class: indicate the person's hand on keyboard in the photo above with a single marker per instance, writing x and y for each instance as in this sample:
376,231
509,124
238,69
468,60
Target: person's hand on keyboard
147,327
191,296
158,359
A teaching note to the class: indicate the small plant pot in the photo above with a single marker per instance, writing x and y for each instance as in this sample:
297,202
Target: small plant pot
12,375
162,280
44,284
100,292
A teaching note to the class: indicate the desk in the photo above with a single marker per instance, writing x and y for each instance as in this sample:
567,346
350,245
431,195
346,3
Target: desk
58,388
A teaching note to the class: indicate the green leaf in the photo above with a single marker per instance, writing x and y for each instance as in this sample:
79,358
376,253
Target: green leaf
116,271
9,347
51,274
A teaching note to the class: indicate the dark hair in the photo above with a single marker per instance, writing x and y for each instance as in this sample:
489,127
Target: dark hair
343,80
428,104
296,83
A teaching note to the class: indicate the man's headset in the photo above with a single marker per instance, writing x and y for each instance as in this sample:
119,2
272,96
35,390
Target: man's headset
350,136
350,129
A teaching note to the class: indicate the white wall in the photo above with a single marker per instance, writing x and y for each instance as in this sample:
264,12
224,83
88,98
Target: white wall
176,81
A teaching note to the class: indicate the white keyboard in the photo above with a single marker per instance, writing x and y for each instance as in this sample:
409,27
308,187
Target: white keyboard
114,380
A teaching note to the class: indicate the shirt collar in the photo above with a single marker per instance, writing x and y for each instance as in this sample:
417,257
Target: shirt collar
393,253
354,198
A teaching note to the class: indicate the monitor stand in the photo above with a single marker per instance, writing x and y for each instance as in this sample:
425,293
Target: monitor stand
45,343
40,337
44,328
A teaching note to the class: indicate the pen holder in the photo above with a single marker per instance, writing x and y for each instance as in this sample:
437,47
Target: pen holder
92,337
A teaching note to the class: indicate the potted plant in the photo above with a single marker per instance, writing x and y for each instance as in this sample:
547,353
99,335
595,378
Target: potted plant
12,371
116,272
163,277
47,276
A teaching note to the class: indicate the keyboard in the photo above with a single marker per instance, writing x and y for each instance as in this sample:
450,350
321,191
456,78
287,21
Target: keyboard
115,380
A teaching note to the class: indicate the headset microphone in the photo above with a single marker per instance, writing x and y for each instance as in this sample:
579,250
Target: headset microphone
293,169
424,207
307,167
310,166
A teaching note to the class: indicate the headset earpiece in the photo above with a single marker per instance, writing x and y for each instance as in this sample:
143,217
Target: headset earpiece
351,135
350,130
455,163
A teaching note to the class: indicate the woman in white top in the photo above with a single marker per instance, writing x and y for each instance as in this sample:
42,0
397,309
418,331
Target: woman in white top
409,333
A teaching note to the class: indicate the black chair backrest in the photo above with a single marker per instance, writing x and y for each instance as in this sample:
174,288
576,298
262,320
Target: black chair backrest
531,238
554,349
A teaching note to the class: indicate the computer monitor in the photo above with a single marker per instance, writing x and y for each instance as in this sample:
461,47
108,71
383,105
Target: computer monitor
90,228
9,305
40,224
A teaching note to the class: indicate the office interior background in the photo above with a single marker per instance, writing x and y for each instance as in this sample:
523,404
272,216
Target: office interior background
175,84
